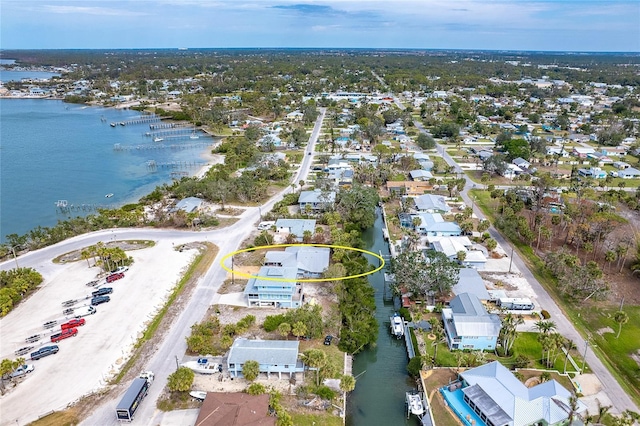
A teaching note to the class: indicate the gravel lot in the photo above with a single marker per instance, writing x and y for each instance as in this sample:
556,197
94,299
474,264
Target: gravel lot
88,361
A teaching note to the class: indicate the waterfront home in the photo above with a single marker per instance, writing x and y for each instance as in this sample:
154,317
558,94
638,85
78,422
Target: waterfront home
433,224
274,287
188,205
316,201
429,203
468,325
310,262
450,246
500,399
274,357
296,227
470,281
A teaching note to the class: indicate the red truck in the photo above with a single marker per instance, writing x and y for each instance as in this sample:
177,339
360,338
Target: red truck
78,322
64,334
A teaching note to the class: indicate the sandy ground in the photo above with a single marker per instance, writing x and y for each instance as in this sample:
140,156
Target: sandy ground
140,294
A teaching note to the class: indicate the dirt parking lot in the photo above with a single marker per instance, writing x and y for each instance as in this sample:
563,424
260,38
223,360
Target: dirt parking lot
87,362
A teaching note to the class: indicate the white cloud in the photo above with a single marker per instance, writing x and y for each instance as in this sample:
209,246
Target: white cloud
90,10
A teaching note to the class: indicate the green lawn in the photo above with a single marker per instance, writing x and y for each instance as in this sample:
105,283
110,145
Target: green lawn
301,419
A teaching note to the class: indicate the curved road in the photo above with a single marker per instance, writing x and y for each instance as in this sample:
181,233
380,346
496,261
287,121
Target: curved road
163,361
619,398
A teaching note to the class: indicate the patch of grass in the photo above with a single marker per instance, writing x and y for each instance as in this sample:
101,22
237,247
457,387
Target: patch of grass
335,356
67,417
433,380
304,419
197,268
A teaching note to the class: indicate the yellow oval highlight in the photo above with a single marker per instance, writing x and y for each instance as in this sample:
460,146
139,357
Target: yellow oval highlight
303,280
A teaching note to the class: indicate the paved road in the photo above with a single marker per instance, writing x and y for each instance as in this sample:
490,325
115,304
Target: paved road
620,399
163,361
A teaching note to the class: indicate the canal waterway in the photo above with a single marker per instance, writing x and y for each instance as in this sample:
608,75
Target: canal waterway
382,378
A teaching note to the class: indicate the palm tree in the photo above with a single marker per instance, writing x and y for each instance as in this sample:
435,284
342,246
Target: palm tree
347,383
568,345
545,326
621,318
315,358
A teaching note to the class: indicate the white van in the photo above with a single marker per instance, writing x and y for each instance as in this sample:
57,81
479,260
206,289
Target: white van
84,311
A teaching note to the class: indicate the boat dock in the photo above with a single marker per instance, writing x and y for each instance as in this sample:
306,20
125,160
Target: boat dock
411,352
63,207
154,165
146,147
172,132
147,118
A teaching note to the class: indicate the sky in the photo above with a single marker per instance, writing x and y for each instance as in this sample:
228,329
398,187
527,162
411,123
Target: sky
541,25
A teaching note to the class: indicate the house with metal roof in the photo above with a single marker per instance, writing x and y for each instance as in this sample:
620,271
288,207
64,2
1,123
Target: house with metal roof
274,287
629,173
429,203
500,399
434,224
468,325
316,200
452,245
470,281
310,262
297,227
274,356
188,205
420,175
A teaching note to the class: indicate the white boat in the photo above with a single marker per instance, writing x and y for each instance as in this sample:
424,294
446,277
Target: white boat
201,395
414,403
194,136
397,326
113,124
109,195
157,139
203,366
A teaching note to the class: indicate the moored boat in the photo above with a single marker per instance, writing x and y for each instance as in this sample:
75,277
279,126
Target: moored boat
414,404
203,366
109,195
397,326
157,139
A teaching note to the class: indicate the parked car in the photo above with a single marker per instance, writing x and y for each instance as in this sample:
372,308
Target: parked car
120,269
84,311
99,300
67,312
64,334
68,303
102,291
93,283
44,351
22,371
50,324
327,340
77,322
23,351
113,277
33,338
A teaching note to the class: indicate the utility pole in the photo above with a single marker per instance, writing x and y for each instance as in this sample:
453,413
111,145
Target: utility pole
511,260
177,365
15,258
233,277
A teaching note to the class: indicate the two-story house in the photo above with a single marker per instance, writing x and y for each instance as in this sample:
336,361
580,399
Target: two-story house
468,325
275,287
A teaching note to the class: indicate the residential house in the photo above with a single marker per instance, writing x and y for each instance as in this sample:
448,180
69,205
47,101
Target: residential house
614,151
274,287
420,175
629,173
511,171
429,203
296,227
621,165
450,246
341,177
274,356
470,281
434,224
316,201
500,399
426,165
468,325
188,205
522,163
593,172
235,409
582,152
310,262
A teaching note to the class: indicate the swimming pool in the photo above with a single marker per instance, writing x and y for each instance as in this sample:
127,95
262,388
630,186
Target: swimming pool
455,401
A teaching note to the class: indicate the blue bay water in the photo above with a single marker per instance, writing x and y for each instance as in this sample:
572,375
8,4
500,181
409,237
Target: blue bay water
50,151
7,75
